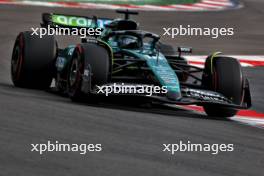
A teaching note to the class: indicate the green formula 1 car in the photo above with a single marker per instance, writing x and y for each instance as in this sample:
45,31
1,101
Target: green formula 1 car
124,60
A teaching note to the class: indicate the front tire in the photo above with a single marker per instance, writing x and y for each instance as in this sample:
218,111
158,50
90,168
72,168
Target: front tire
223,75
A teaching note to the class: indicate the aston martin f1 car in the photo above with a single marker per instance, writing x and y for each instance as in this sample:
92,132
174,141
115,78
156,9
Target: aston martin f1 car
124,55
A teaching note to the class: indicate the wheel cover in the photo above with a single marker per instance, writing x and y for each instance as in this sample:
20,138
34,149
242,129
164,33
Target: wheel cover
73,73
17,58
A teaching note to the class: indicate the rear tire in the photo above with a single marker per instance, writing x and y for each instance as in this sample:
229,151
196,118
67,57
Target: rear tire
98,60
32,63
223,75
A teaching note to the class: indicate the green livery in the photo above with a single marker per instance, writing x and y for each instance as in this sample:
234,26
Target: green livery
121,57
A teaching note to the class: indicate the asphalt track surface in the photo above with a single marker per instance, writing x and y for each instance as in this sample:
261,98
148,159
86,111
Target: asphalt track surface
131,136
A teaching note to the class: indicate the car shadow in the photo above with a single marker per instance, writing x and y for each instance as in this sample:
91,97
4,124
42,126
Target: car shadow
138,104
125,103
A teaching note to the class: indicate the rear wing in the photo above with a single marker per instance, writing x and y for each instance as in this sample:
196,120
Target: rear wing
72,21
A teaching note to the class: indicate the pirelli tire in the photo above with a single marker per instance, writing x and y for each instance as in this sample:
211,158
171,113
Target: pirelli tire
32,62
223,75
97,59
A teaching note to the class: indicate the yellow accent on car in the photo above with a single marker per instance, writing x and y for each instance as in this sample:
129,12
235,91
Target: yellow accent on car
212,57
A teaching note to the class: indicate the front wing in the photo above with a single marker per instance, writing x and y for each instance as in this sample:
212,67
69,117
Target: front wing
190,96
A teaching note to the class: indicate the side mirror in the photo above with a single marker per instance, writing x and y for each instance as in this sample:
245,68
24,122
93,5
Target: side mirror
184,50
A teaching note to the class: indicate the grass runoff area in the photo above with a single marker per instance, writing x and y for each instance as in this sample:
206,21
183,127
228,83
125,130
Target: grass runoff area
132,2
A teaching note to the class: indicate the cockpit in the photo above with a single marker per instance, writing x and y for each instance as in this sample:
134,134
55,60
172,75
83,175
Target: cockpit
132,39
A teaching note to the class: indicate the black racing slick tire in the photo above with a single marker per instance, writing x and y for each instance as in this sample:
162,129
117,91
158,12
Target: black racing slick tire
32,63
97,59
223,75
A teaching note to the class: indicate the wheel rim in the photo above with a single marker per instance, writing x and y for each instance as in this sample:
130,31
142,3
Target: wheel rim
17,59
73,72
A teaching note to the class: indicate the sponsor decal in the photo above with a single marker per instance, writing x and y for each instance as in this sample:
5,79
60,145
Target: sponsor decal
79,21
204,95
